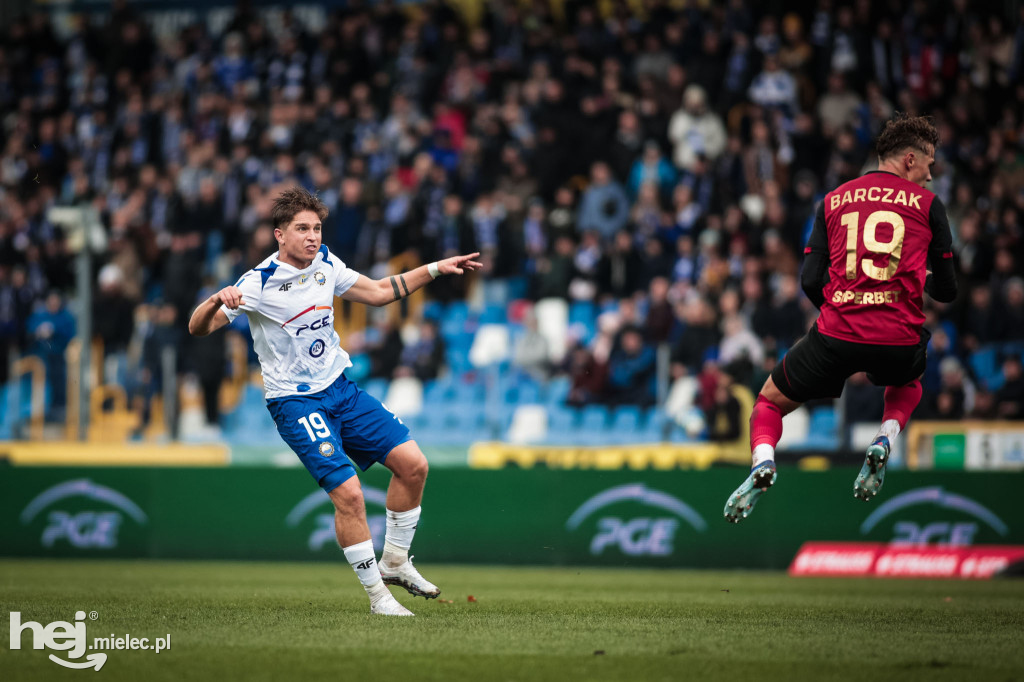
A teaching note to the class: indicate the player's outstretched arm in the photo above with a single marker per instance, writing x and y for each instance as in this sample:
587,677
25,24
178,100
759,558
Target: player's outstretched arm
208,317
380,292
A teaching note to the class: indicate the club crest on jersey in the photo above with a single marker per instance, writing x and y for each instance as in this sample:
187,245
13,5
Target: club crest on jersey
303,278
318,348
326,449
320,278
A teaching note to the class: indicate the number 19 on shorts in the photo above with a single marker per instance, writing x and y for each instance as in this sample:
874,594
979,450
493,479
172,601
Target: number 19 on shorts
315,425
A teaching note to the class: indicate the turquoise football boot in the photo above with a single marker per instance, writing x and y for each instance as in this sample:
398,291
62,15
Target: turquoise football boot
743,499
872,474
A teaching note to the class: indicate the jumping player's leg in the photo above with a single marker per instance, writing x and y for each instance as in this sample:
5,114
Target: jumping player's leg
812,368
408,467
900,402
899,369
766,421
765,431
354,539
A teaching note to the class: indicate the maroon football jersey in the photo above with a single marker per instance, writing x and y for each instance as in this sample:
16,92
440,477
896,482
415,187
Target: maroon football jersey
879,228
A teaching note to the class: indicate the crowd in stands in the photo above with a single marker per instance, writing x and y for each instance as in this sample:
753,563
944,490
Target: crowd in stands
664,165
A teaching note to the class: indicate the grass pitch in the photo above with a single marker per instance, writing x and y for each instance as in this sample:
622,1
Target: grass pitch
241,621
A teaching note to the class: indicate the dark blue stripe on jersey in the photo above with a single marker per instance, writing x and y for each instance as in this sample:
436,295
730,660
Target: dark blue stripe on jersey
267,272
323,250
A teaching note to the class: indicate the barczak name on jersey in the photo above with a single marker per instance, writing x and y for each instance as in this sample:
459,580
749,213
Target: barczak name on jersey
291,315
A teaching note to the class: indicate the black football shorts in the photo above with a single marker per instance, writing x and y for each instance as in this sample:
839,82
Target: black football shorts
817,365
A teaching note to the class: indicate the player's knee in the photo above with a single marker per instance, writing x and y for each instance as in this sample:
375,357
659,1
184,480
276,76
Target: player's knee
416,470
347,499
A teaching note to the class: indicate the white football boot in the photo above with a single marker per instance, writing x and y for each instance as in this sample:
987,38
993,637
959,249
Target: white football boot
387,605
408,577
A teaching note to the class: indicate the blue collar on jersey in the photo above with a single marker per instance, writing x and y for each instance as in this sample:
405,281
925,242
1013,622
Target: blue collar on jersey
323,251
267,272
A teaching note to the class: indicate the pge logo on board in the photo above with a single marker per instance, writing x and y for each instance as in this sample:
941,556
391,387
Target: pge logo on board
95,528
645,534
934,515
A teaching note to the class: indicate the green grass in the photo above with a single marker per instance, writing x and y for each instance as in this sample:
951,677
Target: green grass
241,621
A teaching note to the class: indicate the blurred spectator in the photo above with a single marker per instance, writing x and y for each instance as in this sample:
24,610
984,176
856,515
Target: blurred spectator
723,415
530,352
620,271
631,370
588,377
738,342
384,344
424,356
1009,398
774,88
838,107
156,333
695,130
698,334
604,207
1011,315
654,168
50,330
112,310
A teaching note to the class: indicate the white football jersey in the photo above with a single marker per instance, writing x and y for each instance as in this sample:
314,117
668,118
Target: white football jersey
291,316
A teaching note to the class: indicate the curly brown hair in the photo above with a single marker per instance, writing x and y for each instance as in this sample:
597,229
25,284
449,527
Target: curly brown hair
904,131
293,201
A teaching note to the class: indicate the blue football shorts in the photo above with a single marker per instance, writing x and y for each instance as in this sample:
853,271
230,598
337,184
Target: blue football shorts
335,428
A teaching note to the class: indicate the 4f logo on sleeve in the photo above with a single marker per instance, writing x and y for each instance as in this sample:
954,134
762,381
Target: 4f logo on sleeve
285,287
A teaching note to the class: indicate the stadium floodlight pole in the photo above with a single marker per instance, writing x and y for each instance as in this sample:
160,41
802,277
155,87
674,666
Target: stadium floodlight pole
84,234
169,386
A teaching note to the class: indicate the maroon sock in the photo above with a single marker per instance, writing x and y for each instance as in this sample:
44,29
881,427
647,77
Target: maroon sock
765,423
900,402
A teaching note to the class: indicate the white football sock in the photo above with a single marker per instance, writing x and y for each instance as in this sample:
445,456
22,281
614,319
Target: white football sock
890,429
401,527
762,453
361,557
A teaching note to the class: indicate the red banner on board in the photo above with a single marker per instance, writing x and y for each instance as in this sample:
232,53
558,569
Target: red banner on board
878,559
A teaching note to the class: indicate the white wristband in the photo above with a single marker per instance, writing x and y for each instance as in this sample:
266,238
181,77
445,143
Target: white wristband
432,269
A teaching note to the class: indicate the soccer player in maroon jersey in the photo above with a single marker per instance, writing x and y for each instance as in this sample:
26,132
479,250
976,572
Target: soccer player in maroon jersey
866,269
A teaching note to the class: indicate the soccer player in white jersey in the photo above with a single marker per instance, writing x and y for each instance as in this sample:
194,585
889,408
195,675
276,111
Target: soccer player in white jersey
326,419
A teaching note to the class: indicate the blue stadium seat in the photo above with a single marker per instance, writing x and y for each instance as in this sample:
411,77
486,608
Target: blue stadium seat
6,423
433,310
436,391
823,422
378,388
493,313
556,391
594,418
583,315
627,417
468,393
529,392
562,419
457,359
